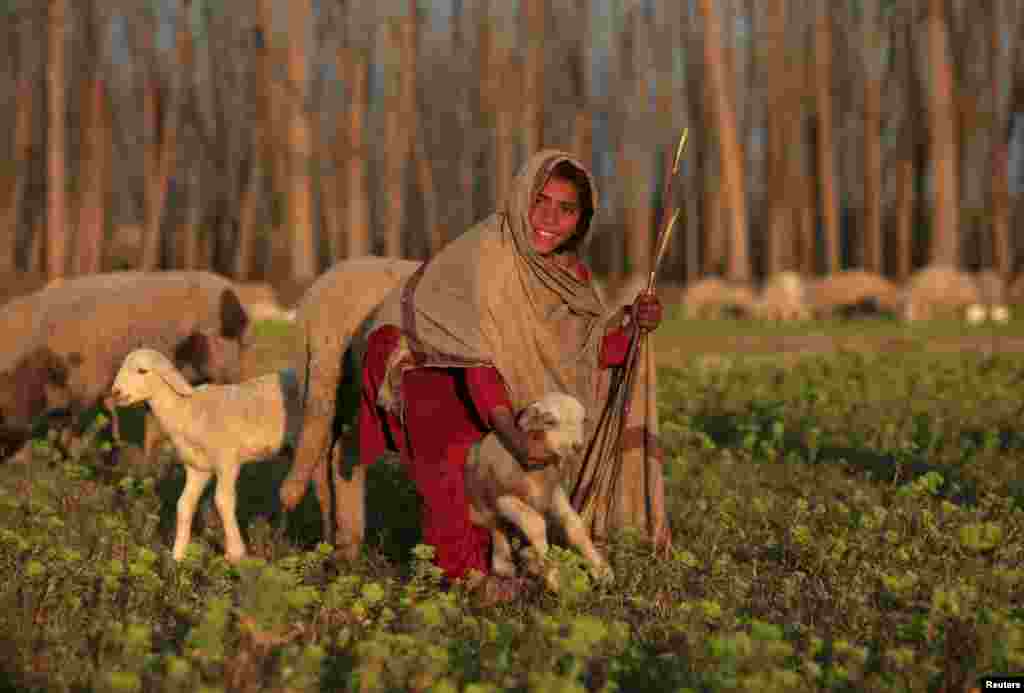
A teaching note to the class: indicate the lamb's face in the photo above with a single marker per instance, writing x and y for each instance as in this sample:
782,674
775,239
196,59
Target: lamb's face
135,380
561,417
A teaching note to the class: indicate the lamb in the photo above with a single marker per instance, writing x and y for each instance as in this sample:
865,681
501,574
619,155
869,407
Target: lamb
329,316
499,488
215,429
66,342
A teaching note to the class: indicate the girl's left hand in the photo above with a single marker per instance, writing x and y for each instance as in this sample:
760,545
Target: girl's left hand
647,311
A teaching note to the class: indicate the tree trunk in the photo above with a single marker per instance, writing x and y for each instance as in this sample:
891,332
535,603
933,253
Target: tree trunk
300,145
904,218
780,215
825,146
533,75
499,76
56,198
399,121
159,155
729,148
871,232
94,175
19,174
945,238
1002,66
357,203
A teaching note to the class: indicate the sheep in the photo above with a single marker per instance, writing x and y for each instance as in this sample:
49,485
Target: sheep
784,297
938,289
853,293
712,297
215,430
65,343
329,316
500,488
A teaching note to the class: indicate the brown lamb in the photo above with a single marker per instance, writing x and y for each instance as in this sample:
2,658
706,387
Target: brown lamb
71,338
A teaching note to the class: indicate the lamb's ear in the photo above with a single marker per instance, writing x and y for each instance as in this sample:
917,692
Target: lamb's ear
194,349
533,418
175,380
233,318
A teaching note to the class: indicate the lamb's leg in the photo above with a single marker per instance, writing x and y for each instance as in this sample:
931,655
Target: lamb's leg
501,554
532,523
227,478
195,482
577,534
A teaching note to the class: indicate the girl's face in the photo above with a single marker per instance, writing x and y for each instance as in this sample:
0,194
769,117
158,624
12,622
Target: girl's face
554,215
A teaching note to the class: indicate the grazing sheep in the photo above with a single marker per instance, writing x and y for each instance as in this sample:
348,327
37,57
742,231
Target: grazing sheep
976,314
261,302
215,429
999,314
783,298
499,488
64,344
853,293
712,297
328,317
938,290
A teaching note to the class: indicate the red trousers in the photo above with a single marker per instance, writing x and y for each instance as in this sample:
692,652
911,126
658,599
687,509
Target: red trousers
441,423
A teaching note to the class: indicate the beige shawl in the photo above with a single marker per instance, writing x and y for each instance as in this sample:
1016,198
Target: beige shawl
488,298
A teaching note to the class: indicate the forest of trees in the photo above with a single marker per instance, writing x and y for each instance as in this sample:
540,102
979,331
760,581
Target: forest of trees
265,138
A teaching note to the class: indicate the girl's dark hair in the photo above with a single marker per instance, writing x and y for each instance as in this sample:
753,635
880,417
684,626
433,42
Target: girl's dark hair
570,172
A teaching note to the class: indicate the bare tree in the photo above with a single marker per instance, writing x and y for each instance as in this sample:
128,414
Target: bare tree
825,146
535,13
1006,16
56,216
945,249
300,144
730,153
871,56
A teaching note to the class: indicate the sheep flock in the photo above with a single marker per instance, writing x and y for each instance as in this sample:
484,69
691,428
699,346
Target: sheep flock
176,340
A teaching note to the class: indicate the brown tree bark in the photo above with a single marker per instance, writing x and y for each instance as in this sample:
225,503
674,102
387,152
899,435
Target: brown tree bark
56,197
730,152
300,145
13,204
533,75
499,76
95,179
904,217
634,144
825,146
1001,67
945,237
357,201
779,213
871,232
399,126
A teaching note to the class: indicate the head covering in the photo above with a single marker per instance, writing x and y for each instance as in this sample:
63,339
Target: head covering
488,298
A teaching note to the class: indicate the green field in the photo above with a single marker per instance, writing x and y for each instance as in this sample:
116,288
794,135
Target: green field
849,521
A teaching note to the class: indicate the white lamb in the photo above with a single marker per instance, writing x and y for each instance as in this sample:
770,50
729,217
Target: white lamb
215,429
500,488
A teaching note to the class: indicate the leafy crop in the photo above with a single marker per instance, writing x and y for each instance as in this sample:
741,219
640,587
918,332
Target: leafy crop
850,522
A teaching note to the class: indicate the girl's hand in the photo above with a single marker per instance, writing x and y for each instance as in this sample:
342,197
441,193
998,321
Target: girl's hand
648,311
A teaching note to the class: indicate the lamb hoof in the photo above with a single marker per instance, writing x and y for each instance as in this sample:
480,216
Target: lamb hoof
604,574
